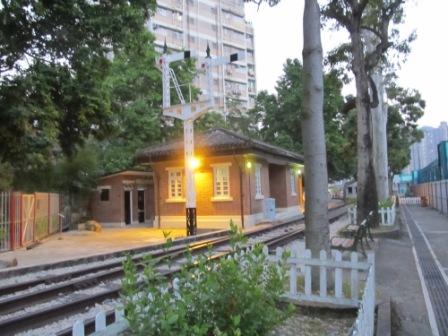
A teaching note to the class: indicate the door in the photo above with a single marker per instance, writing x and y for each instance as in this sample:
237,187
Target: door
127,207
141,206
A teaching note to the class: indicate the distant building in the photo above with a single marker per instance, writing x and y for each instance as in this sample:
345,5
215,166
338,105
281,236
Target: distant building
192,24
425,151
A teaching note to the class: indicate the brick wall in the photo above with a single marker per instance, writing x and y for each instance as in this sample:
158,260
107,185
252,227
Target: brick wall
109,211
274,178
205,204
112,211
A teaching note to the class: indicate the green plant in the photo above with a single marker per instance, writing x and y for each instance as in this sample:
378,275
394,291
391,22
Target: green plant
386,203
236,295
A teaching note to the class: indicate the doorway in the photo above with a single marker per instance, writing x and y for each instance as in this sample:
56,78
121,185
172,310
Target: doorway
127,207
141,206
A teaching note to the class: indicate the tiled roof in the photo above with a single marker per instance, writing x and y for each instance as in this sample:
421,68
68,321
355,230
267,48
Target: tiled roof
216,141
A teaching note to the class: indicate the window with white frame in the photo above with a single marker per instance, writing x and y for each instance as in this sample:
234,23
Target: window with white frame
175,177
293,182
221,180
258,191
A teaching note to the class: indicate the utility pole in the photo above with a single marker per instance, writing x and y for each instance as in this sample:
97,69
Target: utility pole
188,113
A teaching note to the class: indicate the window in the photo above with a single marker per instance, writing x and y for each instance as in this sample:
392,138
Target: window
258,191
293,182
175,178
104,195
221,181
163,11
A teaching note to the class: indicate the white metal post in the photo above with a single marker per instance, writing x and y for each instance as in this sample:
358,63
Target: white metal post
189,113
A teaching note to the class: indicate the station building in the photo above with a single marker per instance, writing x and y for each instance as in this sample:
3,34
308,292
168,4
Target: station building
237,178
124,198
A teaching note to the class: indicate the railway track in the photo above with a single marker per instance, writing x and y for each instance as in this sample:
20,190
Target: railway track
38,302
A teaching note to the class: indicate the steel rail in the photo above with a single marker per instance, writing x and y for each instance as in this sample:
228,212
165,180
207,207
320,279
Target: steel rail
48,315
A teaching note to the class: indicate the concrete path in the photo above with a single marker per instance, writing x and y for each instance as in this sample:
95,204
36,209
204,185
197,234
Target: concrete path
429,233
397,278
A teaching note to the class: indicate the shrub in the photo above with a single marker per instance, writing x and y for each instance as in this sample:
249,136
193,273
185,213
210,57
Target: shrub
237,295
386,203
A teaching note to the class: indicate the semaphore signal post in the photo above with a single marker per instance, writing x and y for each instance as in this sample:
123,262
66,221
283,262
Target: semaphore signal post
188,112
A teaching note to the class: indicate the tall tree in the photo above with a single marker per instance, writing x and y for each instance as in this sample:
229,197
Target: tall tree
316,207
379,126
54,58
406,107
279,122
316,187
375,16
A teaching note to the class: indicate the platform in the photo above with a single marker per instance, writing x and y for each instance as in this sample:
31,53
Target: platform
429,234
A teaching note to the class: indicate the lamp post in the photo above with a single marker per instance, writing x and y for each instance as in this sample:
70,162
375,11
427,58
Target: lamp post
188,113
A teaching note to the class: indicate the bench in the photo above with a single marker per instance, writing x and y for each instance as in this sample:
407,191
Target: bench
351,229
352,243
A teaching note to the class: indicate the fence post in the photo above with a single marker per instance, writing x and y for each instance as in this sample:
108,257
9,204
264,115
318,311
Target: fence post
100,321
354,281
337,274
382,216
323,275
308,278
78,329
119,315
293,271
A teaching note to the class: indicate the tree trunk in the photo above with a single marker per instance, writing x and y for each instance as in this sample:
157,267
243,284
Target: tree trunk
379,128
316,186
379,125
367,198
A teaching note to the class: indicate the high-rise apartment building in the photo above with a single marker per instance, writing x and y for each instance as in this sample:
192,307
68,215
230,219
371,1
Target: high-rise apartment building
425,151
194,24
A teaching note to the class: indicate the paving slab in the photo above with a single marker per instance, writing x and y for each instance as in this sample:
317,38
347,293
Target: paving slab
435,227
432,274
397,278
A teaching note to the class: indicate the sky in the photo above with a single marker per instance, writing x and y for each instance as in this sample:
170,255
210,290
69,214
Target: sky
278,36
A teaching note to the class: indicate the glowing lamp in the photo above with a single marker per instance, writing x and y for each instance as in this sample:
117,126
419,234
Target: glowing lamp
194,163
248,165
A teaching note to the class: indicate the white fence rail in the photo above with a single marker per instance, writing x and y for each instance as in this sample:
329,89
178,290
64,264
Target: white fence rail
365,320
410,200
387,215
117,327
332,266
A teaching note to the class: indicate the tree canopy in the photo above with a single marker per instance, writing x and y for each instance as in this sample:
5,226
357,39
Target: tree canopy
54,60
279,117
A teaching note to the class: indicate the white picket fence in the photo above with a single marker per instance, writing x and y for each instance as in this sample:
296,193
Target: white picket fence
387,215
410,200
115,328
365,321
300,287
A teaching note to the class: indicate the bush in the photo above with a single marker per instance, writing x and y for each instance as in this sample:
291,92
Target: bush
386,203
237,295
